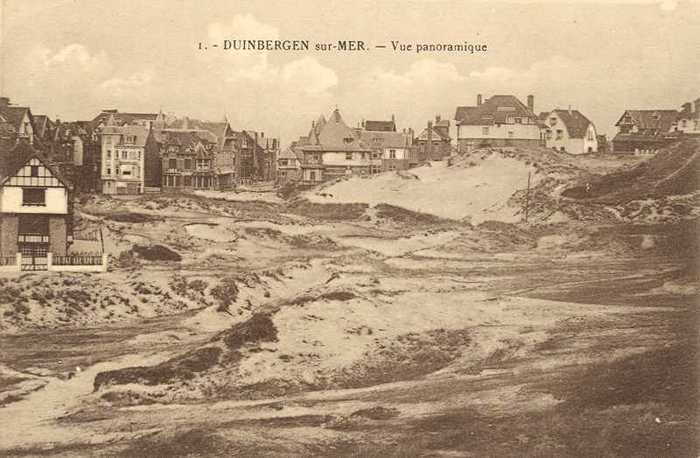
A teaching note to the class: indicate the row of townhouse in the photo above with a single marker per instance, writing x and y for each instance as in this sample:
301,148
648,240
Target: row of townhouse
142,151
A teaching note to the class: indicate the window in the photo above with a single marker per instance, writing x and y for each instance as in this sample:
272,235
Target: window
510,134
348,156
34,170
392,154
33,197
348,139
124,154
518,120
109,171
126,172
172,163
109,154
553,121
560,134
188,164
283,162
484,130
590,135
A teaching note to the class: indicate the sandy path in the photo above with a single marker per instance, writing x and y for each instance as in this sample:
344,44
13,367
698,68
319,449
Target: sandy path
32,420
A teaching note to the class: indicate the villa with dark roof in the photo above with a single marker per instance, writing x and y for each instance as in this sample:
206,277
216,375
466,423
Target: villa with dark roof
645,131
501,120
333,149
569,131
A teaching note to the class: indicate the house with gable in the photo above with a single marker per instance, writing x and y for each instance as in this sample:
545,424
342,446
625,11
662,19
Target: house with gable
188,161
569,131
18,121
333,149
434,142
391,150
501,120
645,131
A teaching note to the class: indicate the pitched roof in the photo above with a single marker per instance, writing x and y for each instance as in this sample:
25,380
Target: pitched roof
14,158
140,132
494,110
336,134
123,118
288,153
660,120
14,115
575,122
384,139
438,134
380,126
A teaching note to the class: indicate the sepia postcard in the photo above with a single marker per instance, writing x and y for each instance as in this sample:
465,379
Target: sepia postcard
329,228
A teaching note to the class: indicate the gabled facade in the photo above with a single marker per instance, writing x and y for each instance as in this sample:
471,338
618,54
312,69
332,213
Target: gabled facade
333,149
434,142
35,209
288,165
17,121
569,131
645,131
501,120
188,162
391,150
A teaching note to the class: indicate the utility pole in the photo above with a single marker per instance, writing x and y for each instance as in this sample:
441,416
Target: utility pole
527,196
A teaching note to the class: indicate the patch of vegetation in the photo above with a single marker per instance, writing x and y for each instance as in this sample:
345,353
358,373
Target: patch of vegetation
226,292
156,253
183,367
259,328
329,212
342,296
404,216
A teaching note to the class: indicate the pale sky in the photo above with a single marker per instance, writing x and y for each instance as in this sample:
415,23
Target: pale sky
72,58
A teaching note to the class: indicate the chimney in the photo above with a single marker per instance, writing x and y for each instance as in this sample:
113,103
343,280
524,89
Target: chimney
437,118
429,150
4,102
697,106
569,109
686,108
478,100
531,103
262,134
393,119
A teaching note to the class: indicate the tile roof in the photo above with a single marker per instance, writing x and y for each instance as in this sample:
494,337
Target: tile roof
123,118
14,115
14,157
438,134
380,126
140,132
384,139
660,120
494,110
575,122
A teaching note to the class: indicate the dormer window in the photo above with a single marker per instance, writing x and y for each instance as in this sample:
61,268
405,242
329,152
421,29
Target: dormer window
348,139
553,121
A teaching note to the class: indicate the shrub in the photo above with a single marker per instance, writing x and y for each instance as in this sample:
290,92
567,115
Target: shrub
226,293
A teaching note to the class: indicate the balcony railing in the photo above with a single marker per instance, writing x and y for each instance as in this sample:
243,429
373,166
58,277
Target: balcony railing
33,238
